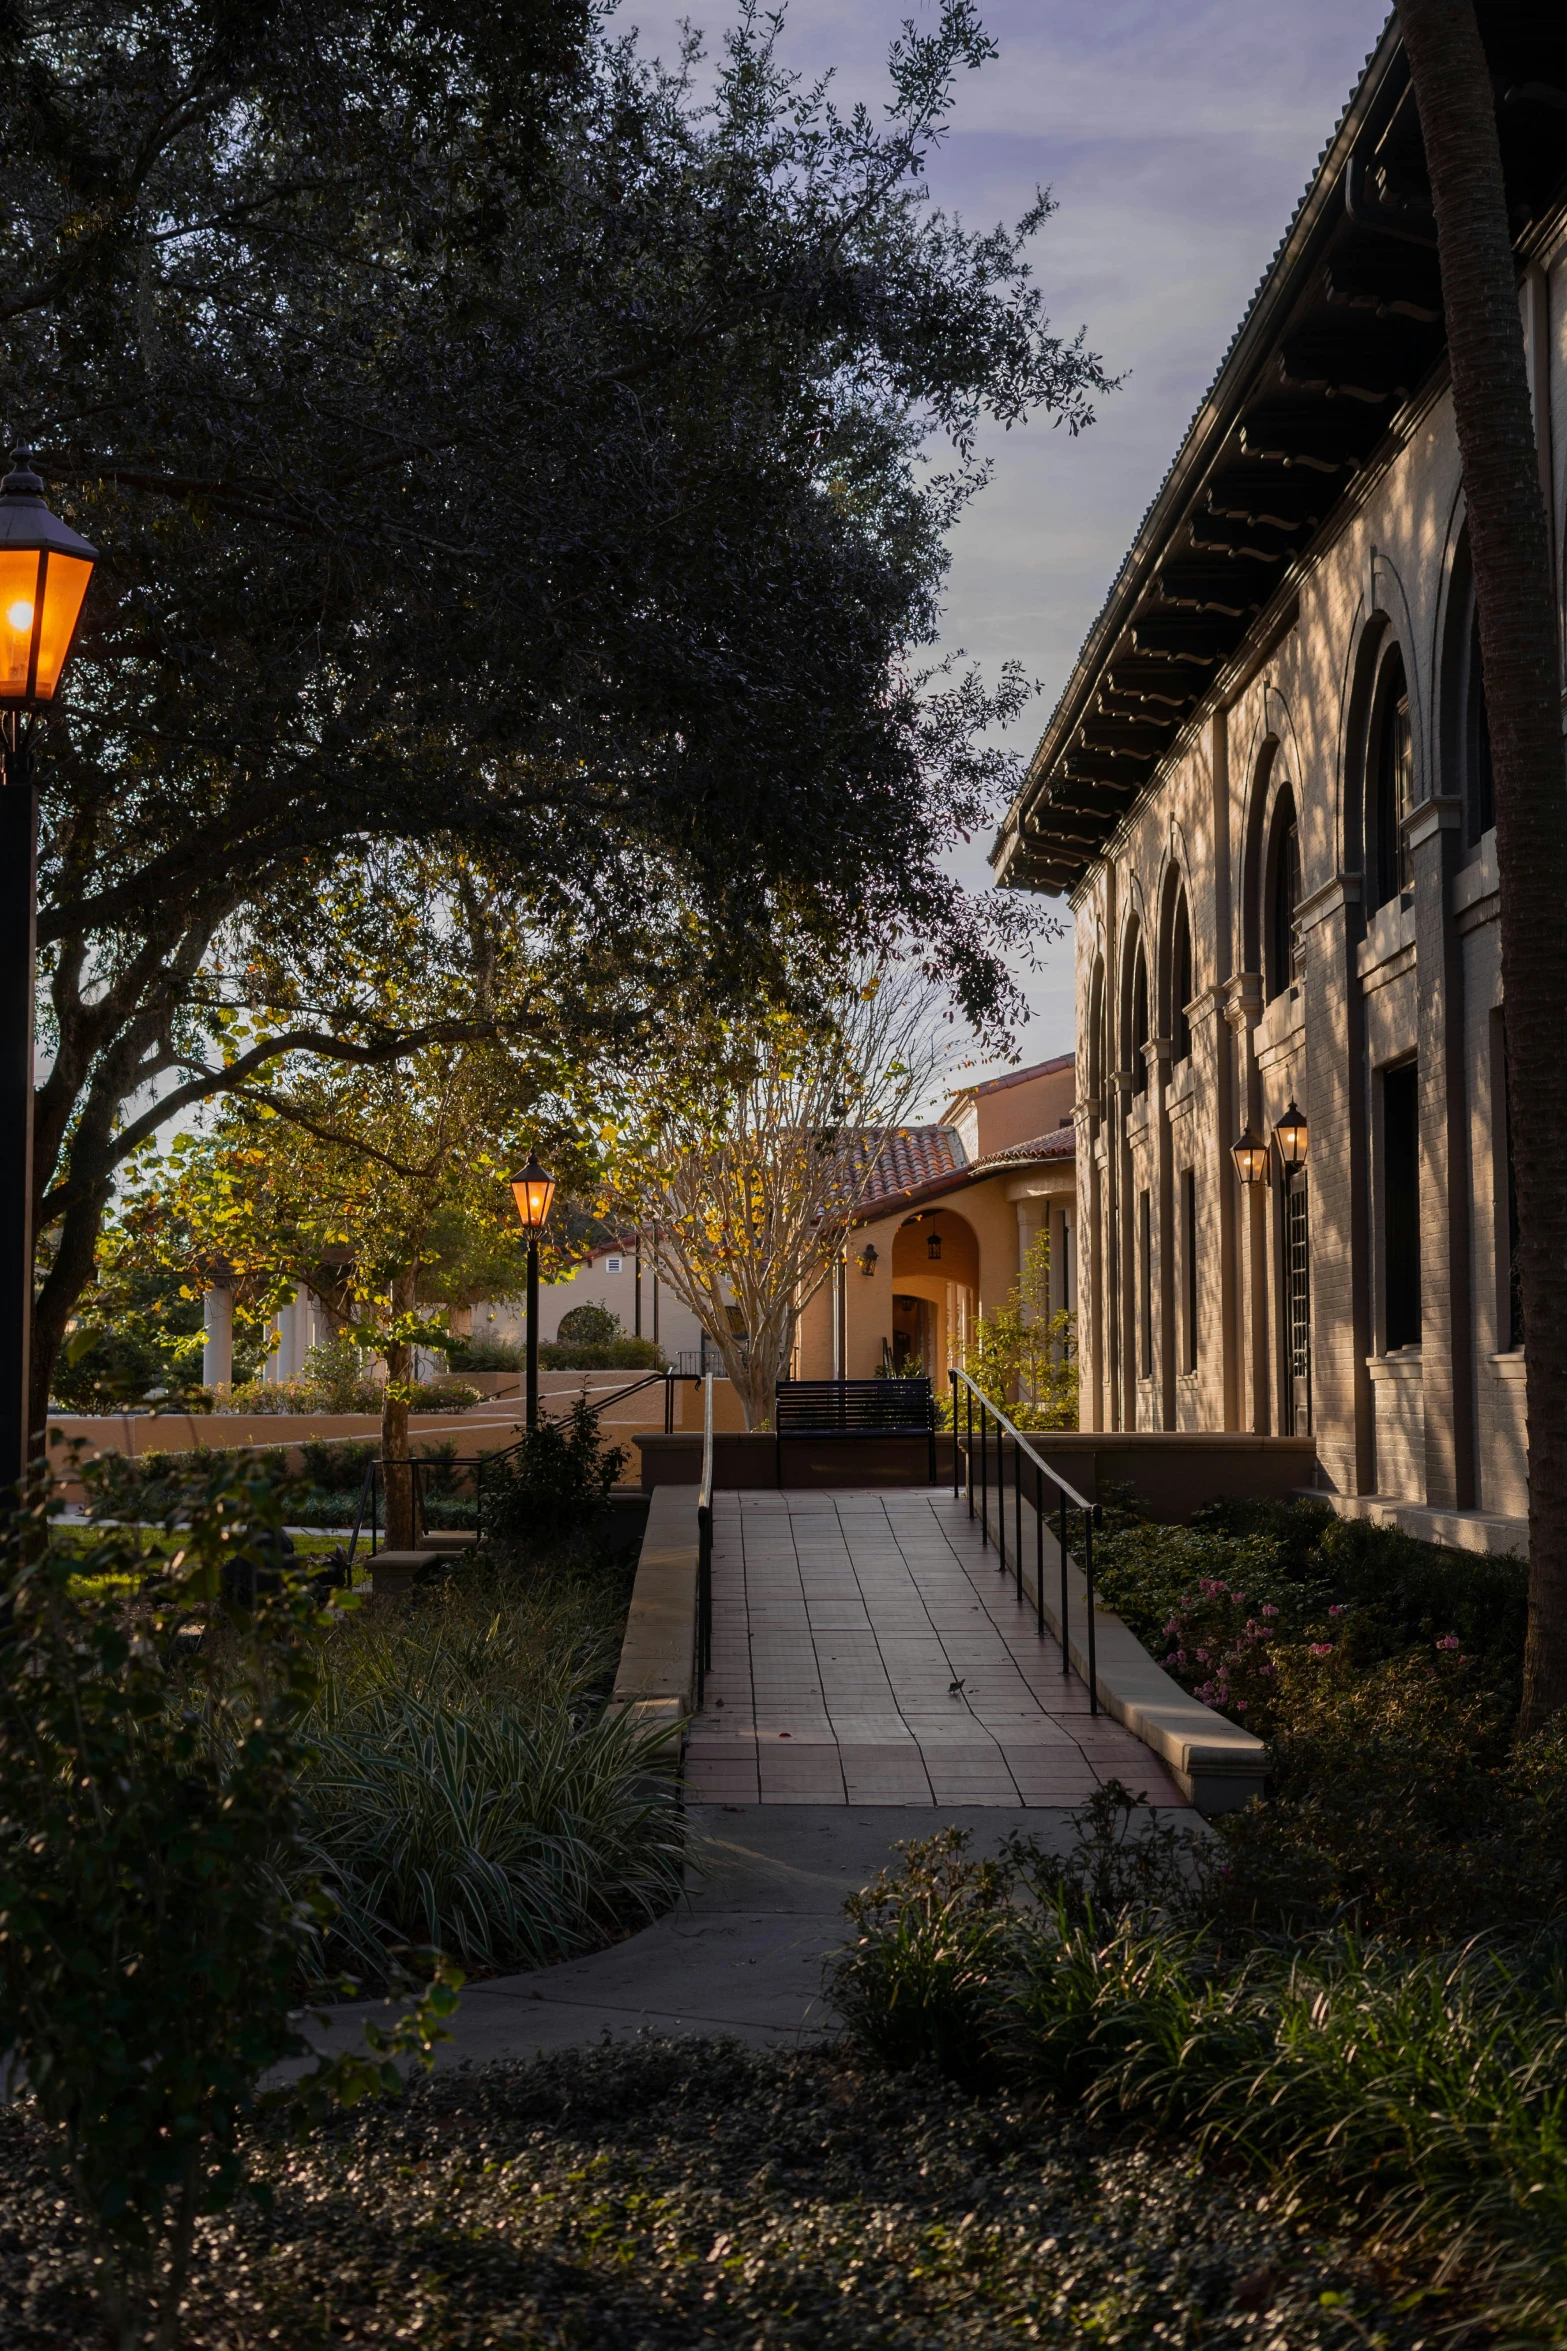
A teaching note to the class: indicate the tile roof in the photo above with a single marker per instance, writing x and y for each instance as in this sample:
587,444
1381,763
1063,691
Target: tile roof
1060,1143
922,1163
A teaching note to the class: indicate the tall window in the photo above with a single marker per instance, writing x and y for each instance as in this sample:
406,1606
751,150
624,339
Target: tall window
1401,1205
1189,1249
1284,897
1145,1280
1392,786
1180,981
1297,1274
1479,790
1512,1307
1139,1022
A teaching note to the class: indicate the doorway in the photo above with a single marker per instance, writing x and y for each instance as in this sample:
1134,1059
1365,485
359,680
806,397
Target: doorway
913,1336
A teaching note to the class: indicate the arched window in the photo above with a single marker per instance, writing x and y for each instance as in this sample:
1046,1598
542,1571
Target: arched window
1139,1022
1283,896
1479,791
1180,980
1392,782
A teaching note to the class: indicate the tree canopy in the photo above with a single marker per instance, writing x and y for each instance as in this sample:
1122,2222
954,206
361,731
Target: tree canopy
488,438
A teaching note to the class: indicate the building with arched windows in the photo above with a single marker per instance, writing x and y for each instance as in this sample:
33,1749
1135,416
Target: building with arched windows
1267,793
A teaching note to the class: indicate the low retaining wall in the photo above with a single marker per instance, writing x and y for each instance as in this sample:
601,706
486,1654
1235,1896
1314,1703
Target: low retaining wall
748,1459
1216,1764
656,1681
1174,1472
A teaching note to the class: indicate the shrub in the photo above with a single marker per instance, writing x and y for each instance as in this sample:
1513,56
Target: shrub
556,1481
926,1978
612,1355
589,1325
341,1371
484,1355
156,1904
1422,2090
442,1396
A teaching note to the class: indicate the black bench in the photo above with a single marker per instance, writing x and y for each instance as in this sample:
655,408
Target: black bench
854,1408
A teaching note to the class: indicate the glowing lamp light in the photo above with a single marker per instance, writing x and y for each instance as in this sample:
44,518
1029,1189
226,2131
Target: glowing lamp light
534,1193
44,570
1290,1136
1251,1158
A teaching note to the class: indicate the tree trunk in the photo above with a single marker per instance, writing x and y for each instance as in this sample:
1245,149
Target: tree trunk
401,1528
1510,548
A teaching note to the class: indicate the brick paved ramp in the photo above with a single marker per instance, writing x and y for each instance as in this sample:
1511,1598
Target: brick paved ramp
841,1622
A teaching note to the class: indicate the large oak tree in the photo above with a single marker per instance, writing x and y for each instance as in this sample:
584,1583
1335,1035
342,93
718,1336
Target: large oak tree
485,437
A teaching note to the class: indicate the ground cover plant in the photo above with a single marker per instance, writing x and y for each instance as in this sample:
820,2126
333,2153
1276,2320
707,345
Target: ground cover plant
157,1903
1385,1675
1412,2095
657,2196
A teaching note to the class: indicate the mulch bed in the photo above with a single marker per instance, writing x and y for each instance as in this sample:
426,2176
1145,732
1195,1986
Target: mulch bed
670,2196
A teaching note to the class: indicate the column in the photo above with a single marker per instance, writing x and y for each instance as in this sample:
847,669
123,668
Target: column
1446,1345
1338,1202
1157,1055
1243,1009
217,1353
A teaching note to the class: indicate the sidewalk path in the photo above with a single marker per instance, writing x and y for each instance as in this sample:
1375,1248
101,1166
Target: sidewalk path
867,1651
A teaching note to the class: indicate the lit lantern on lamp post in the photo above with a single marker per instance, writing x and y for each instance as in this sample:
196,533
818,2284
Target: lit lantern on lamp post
1290,1136
44,570
1250,1157
534,1193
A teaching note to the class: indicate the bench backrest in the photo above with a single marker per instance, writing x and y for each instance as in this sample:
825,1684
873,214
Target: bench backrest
852,1408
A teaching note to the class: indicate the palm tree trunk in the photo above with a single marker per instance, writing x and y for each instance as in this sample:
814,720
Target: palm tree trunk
1510,549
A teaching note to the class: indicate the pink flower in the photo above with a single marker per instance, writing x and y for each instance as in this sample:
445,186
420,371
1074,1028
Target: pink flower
1180,1657
1339,1610
1449,1642
1268,1608
1321,1648
1240,1705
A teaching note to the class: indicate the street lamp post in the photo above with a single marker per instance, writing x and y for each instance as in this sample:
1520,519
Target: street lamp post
44,570
534,1193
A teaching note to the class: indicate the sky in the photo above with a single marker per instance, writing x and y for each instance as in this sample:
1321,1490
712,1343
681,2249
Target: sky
1177,137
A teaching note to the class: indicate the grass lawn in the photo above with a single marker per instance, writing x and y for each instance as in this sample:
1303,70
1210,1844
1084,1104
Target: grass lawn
663,2196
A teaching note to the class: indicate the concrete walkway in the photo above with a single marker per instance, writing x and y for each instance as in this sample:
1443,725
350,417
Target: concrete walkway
867,1651
741,1957
832,1729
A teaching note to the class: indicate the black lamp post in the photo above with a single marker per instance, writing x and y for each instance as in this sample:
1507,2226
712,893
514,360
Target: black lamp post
44,570
534,1193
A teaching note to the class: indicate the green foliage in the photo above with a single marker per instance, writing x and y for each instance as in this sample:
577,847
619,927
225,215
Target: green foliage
926,1976
554,1482
688,2191
642,286
484,1355
622,1354
1384,1673
156,1906
589,1325
1421,2092
1023,1357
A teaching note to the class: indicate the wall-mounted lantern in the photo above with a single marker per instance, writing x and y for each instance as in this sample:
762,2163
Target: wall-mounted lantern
1250,1157
933,1248
1290,1136
868,1259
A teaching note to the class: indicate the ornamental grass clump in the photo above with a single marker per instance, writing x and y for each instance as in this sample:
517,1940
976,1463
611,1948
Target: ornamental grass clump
467,1787
156,1900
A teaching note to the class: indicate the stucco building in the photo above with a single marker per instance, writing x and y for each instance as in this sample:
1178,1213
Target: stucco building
942,1236
1267,793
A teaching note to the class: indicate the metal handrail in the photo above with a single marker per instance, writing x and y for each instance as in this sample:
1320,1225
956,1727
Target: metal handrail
704,1545
1067,1498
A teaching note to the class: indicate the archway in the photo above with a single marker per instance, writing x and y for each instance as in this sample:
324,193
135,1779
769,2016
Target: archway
935,1293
